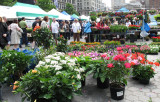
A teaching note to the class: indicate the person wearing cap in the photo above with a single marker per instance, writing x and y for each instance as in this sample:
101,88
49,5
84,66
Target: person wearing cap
76,28
35,23
55,29
23,26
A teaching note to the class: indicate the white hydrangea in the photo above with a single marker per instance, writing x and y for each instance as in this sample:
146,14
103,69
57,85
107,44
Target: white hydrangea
57,67
56,58
67,58
63,61
48,60
54,62
78,76
48,57
58,73
41,63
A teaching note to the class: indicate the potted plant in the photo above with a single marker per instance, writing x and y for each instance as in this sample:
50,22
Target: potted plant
145,73
43,37
55,77
122,41
62,44
118,70
99,72
13,64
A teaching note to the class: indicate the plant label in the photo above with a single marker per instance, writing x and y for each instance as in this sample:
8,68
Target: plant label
120,93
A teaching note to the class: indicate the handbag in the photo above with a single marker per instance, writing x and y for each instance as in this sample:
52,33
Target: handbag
20,32
78,31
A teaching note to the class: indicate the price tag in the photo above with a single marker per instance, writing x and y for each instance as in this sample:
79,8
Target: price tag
117,36
120,93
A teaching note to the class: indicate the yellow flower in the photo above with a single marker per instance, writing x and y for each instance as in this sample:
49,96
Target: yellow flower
73,83
34,71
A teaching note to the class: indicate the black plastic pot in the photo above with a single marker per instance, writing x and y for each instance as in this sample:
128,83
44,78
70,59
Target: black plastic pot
152,53
0,92
83,82
135,78
117,93
102,85
144,81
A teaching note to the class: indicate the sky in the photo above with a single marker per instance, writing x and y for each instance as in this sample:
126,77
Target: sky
108,2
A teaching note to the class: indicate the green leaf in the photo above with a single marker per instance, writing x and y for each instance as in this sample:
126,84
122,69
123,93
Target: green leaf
47,96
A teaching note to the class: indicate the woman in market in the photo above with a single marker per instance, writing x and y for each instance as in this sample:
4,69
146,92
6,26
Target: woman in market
67,30
44,22
16,33
3,33
63,29
99,25
76,28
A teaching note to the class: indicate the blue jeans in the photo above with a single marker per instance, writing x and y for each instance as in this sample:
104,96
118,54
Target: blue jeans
99,36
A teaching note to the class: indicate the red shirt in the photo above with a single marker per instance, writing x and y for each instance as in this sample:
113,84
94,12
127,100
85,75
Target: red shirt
99,25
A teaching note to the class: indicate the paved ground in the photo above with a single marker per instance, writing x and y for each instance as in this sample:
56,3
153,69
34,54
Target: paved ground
135,92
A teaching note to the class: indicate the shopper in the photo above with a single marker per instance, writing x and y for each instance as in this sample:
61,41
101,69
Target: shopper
23,26
76,28
63,29
44,22
67,30
3,33
55,29
99,25
16,33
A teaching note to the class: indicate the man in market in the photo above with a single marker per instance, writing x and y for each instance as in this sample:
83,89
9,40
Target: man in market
55,29
24,38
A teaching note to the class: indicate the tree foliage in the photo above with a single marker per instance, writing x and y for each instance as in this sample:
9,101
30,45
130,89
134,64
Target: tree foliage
46,5
70,9
7,2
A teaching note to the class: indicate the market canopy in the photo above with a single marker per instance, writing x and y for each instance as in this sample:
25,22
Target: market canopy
83,17
5,11
74,16
60,15
123,9
28,10
65,13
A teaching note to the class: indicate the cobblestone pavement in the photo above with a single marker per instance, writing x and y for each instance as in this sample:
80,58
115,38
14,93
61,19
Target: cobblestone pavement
134,91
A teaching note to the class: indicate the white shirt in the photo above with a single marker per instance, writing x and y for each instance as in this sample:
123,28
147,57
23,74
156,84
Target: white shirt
128,23
55,27
76,27
44,24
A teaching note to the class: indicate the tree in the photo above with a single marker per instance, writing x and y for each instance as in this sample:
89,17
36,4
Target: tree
46,5
70,9
8,2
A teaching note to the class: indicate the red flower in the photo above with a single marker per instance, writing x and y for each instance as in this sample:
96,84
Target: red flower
104,55
119,58
127,65
119,48
153,69
61,36
110,65
132,63
156,63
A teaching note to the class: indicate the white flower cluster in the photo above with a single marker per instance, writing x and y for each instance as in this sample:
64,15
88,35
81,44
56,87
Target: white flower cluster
56,61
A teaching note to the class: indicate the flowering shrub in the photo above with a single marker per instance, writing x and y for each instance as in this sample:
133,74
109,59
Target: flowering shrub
94,28
118,69
144,49
105,28
156,39
129,16
134,27
107,42
56,77
139,16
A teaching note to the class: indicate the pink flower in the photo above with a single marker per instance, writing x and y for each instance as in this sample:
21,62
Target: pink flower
107,58
119,48
104,55
110,65
127,65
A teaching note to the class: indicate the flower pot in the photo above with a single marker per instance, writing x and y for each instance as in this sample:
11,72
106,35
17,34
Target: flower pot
135,78
0,92
144,81
122,41
102,85
83,82
117,93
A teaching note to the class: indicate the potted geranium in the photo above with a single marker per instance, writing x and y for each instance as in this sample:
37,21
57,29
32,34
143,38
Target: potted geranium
118,70
54,79
145,73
